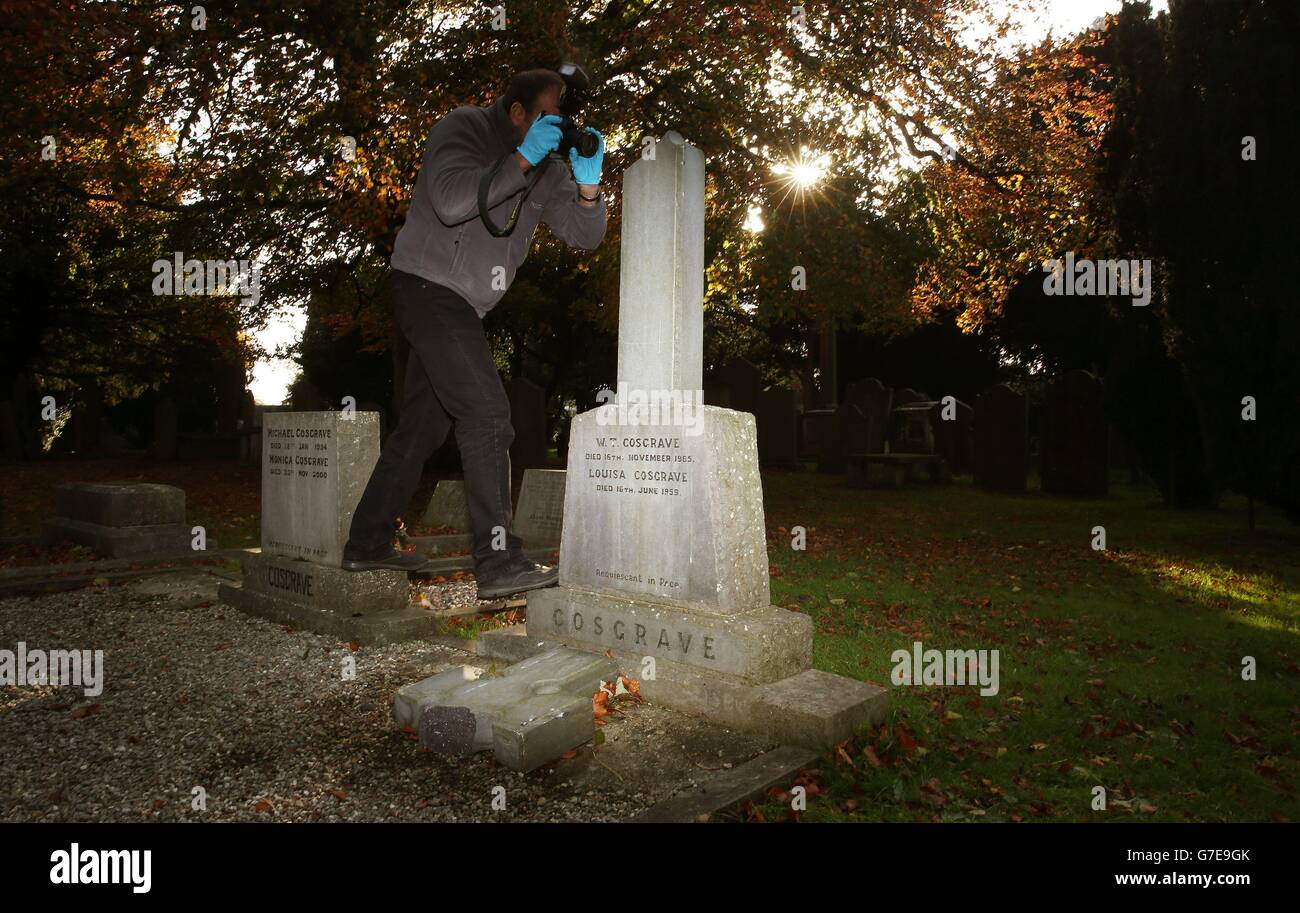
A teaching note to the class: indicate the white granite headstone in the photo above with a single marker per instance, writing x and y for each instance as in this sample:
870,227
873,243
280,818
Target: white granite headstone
664,498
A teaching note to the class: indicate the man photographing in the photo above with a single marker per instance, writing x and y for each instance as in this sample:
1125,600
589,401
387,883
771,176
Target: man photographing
449,270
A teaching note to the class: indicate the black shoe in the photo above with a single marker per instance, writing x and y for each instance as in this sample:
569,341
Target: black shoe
391,560
518,576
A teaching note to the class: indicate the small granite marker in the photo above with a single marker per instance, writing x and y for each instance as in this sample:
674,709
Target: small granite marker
539,518
121,519
314,467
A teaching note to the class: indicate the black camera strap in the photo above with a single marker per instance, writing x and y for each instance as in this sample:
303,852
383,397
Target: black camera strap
485,184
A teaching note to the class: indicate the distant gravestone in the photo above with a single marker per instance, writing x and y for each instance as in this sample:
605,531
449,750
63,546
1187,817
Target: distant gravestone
906,396
777,418
121,519
11,443
852,433
912,431
775,412
448,507
248,417
744,385
1001,439
164,429
315,466
875,401
86,424
816,433
954,438
539,516
528,418
306,397
1073,437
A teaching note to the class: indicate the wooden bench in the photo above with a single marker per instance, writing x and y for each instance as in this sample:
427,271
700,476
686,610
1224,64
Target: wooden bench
892,470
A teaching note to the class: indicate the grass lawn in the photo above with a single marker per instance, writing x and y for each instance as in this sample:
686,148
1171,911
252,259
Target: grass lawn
1119,668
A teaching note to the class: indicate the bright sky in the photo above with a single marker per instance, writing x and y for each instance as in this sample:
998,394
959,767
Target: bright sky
272,376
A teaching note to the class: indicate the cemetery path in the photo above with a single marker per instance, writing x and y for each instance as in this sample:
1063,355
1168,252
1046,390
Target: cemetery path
260,720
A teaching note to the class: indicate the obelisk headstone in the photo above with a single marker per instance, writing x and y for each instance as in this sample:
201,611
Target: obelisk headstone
664,554
665,502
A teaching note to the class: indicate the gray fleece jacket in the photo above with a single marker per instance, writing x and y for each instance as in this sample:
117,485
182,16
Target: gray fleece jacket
444,240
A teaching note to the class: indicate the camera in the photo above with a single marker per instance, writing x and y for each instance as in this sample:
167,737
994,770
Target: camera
572,134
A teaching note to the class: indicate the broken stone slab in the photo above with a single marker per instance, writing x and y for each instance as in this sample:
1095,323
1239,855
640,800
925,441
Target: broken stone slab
411,699
759,645
326,588
120,503
530,714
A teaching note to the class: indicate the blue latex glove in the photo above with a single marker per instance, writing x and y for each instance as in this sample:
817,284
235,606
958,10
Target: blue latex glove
543,138
587,170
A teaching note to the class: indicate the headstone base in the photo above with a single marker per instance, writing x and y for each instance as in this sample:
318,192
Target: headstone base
121,541
786,701
330,588
756,646
371,607
381,628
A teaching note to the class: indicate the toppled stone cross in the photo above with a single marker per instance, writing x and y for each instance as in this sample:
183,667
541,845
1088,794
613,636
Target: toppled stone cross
528,715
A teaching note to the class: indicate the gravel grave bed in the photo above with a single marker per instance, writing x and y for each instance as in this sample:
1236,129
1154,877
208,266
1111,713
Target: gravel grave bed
198,696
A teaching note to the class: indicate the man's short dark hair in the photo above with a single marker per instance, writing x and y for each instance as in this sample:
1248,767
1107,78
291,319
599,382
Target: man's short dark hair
526,86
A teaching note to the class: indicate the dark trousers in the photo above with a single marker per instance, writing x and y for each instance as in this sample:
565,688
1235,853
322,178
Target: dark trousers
450,377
